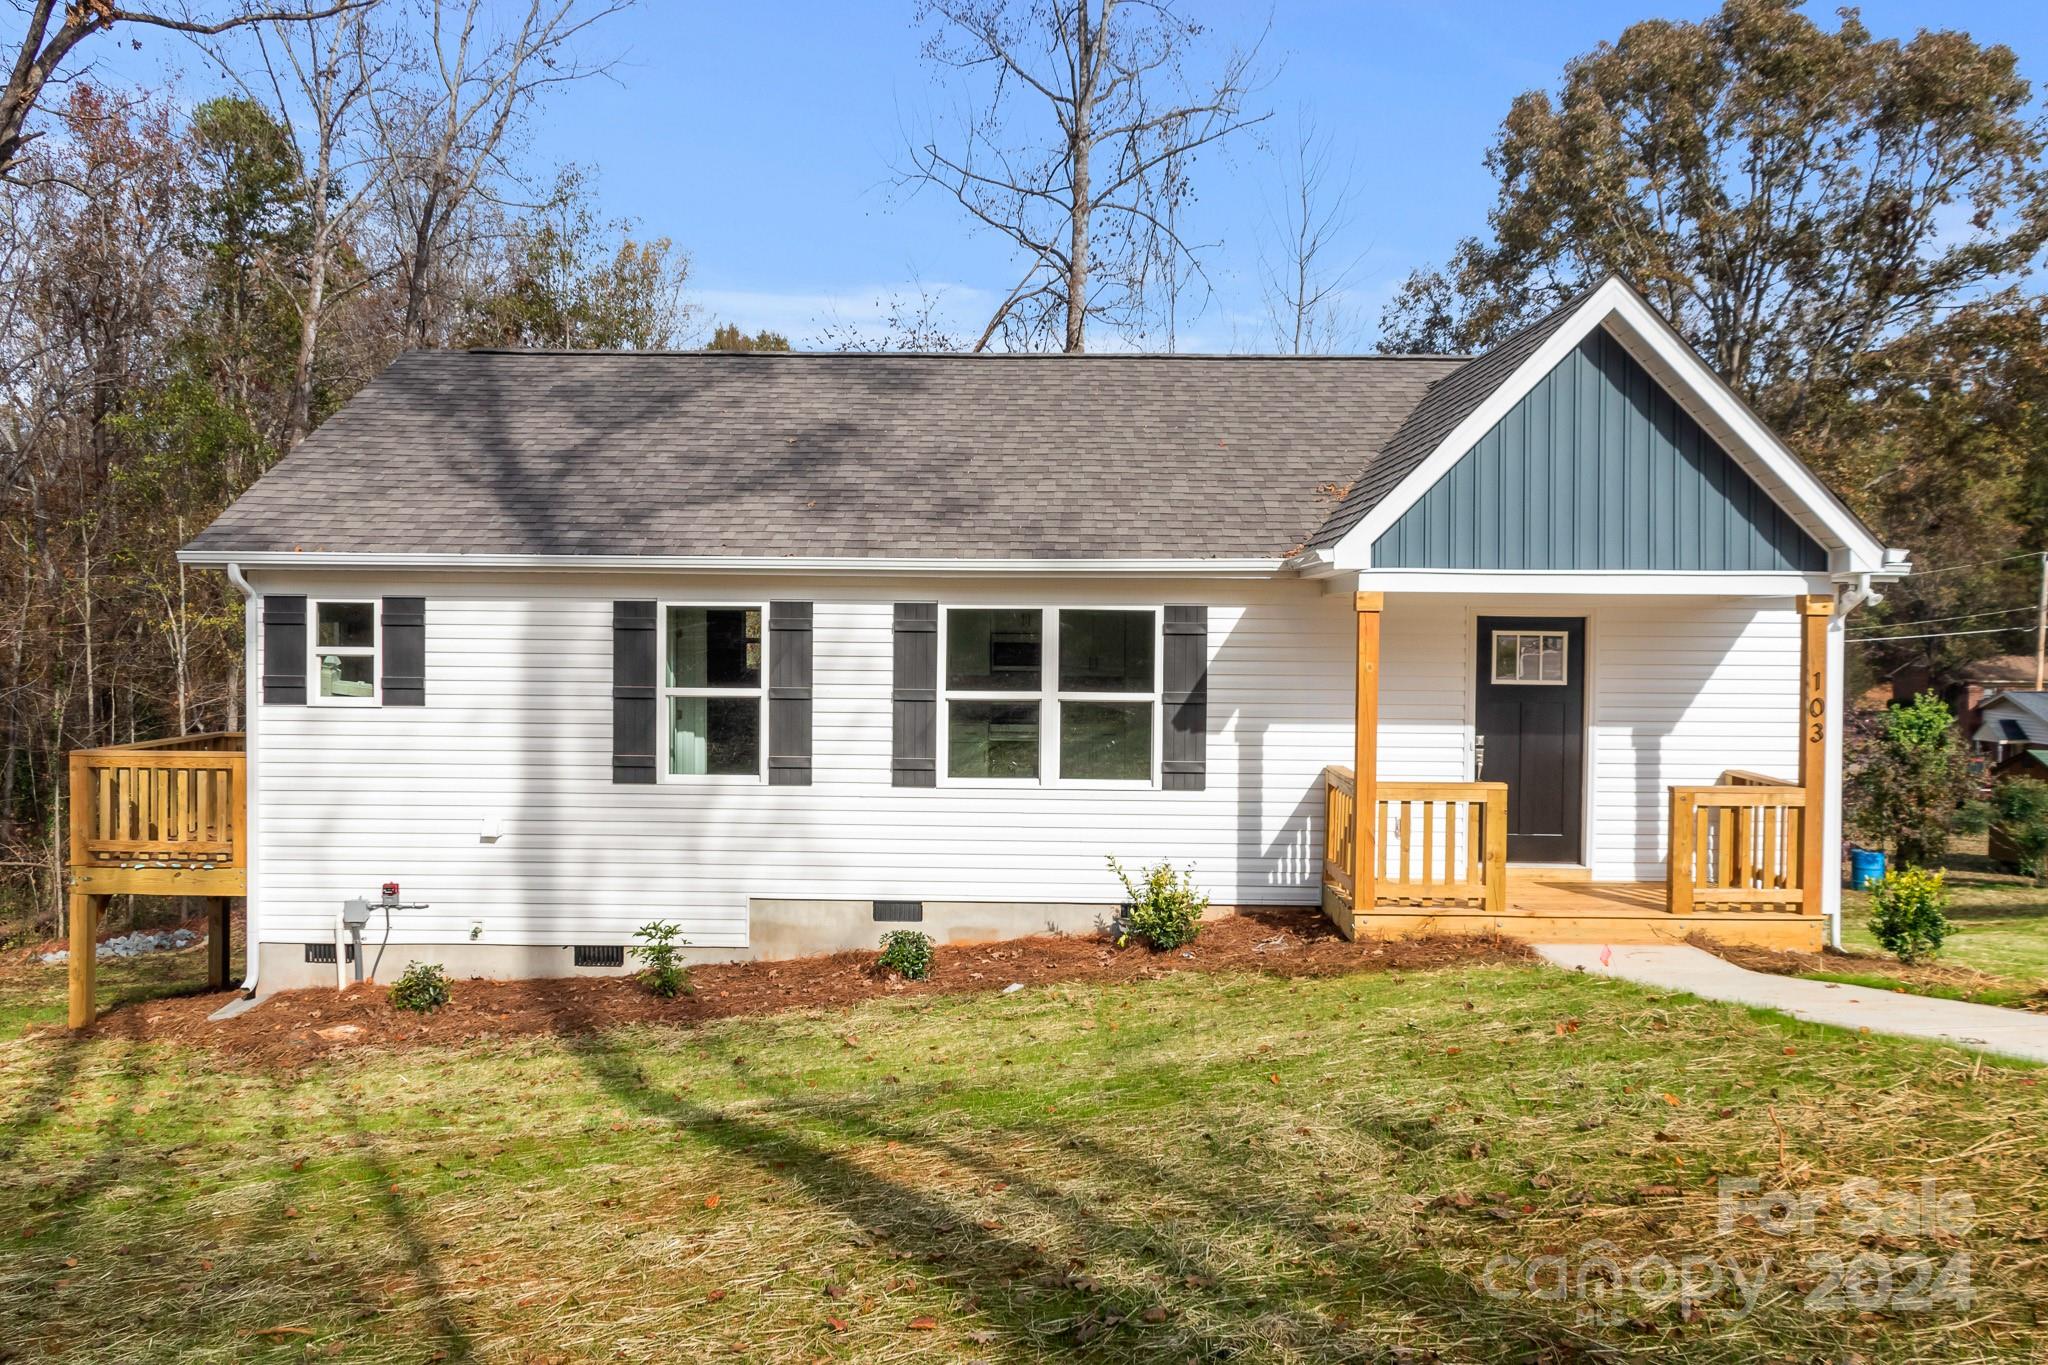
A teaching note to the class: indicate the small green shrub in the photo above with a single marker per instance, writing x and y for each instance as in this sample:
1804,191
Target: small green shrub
1165,910
907,953
423,989
1908,912
666,975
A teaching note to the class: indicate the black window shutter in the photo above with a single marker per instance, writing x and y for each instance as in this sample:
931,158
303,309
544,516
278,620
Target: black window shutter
789,694
916,695
1184,762
404,626
284,651
633,696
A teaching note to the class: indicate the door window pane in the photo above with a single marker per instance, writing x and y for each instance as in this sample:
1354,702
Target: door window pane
1106,651
714,647
992,739
1106,740
1531,656
715,736
348,675
347,625
994,651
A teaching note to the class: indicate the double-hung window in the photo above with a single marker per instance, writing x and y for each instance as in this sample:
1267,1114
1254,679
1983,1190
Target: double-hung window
344,653
713,661
1051,694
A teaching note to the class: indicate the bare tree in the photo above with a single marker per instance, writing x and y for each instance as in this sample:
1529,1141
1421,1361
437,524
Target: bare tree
907,324
1301,273
43,49
327,71
1078,193
452,143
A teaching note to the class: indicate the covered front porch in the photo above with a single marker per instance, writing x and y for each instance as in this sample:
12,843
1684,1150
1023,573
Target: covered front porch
1741,855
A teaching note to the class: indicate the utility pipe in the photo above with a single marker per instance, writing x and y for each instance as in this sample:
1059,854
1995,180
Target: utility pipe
251,778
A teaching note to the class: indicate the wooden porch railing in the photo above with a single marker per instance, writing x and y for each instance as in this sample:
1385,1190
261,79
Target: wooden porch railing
1340,799
1437,843
1443,843
1739,845
165,817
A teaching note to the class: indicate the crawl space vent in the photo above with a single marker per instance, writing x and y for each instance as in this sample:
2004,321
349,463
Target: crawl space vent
899,912
601,955
324,952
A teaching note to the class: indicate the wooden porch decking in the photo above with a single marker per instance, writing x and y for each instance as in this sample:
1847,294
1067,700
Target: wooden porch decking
1544,908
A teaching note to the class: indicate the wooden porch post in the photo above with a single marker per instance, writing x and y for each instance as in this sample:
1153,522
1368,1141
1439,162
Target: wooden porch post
1814,613
218,919
1365,745
83,965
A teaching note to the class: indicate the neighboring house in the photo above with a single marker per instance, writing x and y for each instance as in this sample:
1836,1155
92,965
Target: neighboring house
1967,688
2009,723
789,649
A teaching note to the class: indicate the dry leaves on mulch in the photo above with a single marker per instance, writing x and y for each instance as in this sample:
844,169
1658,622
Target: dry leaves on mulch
293,1027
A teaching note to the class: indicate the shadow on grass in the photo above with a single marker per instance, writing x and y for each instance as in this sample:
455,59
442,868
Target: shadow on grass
1070,1318
158,1226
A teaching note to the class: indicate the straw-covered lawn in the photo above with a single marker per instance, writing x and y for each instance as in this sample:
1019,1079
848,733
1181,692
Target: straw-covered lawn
1194,1167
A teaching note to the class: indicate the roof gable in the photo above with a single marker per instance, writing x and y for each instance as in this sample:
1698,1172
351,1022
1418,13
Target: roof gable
1597,467
1465,406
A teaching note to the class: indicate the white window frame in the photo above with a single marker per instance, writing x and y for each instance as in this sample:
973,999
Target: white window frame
1050,698
374,651
1564,652
664,733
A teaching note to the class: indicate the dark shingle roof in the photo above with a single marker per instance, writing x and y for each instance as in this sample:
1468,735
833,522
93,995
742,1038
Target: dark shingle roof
1106,456
1449,401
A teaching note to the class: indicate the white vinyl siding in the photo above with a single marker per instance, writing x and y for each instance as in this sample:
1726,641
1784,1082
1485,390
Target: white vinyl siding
517,728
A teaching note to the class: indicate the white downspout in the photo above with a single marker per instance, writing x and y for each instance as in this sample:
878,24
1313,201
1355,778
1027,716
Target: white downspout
252,777
1848,597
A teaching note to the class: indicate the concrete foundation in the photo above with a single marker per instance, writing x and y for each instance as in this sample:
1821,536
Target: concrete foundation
780,929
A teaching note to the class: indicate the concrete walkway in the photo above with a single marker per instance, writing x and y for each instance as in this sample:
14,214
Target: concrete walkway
2012,1033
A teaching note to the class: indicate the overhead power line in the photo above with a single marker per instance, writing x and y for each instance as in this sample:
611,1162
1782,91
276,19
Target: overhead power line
1979,564
1943,620
1932,634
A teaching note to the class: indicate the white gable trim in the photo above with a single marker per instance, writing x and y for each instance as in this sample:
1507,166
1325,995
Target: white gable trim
1701,392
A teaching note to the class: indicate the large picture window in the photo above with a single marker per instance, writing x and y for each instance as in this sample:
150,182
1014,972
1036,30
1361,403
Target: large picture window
1051,694
344,653
713,663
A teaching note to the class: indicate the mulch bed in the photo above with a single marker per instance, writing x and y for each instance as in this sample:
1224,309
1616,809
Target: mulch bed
294,1027
1786,962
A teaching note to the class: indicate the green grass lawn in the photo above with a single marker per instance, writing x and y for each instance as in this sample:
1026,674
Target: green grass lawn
34,996
1194,1167
1999,948
2001,921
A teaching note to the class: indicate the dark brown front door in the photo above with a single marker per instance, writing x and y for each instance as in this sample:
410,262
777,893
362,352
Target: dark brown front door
1530,730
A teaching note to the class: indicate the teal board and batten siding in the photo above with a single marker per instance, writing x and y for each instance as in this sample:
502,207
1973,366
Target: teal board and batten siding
1597,468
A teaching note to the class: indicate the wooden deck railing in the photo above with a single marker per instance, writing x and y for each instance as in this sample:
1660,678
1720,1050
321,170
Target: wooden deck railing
166,817
1436,843
164,804
1340,799
1738,845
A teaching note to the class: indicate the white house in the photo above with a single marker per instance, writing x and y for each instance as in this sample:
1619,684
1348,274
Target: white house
788,649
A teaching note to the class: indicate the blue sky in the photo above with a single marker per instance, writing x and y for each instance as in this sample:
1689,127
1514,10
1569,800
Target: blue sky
761,138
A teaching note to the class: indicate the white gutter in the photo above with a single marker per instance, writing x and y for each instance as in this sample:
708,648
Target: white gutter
812,564
251,774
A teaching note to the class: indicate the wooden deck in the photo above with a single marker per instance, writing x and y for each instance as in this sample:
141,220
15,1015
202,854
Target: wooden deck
163,818
1544,908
